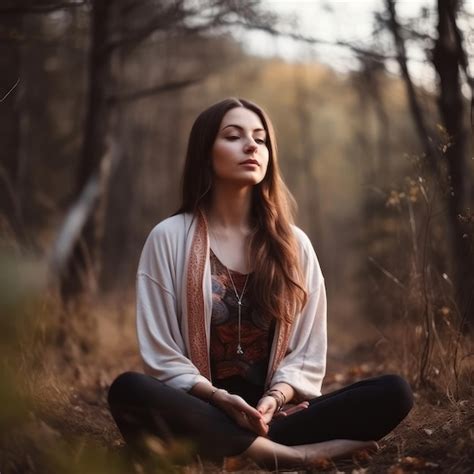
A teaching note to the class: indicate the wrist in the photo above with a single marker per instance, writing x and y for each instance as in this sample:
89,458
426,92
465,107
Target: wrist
278,396
217,395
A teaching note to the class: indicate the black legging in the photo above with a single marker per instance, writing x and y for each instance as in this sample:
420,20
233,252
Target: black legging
365,410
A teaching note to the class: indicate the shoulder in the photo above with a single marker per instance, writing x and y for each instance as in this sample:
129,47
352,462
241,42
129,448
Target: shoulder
171,229
163,243
170,225
166,236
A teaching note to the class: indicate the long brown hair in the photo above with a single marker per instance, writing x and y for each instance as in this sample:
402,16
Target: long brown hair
278,286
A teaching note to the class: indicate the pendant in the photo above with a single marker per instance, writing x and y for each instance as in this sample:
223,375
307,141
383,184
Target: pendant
239,347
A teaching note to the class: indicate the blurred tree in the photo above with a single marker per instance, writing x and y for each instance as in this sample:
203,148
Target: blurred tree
311,201
144,19
448,57
11,218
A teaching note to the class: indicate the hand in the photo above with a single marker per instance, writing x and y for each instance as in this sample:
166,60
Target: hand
267,407
290,409
241,412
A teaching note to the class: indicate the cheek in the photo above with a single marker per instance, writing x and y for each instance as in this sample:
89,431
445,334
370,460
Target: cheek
219,157
265,162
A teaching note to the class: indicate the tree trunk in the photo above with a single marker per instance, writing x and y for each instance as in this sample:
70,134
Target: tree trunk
10,208
447,60
80,273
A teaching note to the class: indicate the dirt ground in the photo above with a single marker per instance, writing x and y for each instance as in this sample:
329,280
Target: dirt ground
69,428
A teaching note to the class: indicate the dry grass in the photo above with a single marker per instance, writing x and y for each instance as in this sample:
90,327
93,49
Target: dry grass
65,368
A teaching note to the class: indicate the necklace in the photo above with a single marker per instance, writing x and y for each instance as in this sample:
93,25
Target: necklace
237,297
239,306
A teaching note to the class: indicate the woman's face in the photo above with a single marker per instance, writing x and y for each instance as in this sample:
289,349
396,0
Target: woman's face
239,153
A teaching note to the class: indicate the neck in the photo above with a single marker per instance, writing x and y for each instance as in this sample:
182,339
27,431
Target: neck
230,207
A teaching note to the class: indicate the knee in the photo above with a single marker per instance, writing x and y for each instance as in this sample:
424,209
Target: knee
399,393
123,384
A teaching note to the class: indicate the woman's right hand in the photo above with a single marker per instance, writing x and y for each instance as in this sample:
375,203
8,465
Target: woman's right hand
240,411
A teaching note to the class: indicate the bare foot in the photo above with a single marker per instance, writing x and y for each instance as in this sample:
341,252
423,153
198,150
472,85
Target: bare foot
313,454
272,455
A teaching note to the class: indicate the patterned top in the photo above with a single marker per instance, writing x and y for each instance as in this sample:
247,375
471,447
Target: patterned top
242,374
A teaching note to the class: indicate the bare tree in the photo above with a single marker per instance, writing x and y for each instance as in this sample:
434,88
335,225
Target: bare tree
448,56
10,207
144,20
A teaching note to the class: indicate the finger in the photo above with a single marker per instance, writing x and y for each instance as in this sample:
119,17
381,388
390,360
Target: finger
260,427
251,424
296,409
240,404
249,410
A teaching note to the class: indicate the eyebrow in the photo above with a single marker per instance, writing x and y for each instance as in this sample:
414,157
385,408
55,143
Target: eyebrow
241,128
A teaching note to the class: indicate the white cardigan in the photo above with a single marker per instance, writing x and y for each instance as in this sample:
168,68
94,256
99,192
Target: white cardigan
174,304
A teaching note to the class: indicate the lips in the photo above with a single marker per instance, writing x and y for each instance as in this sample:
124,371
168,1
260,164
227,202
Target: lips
250,162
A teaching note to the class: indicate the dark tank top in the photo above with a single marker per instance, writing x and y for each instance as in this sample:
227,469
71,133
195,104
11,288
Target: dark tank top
241,374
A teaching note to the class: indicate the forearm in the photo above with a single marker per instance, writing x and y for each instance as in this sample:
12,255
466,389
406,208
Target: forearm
205,391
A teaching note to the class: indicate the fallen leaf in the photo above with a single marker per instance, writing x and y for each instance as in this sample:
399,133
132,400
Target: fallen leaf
395,469
361,456
233,463
414,463
155,445
322,463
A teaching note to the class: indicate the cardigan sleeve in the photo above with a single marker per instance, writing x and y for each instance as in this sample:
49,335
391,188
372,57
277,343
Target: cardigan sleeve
304,364
161,342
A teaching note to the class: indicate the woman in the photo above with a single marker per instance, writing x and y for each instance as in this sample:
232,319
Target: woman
231,317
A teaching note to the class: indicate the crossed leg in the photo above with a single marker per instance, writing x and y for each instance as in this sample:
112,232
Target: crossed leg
334,424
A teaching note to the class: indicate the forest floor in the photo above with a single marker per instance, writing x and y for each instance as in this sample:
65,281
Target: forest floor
69,428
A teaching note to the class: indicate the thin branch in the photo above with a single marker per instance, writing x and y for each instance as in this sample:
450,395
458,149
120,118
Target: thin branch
141,94
163,22
416,34
10,91
389,275
41,9
309,39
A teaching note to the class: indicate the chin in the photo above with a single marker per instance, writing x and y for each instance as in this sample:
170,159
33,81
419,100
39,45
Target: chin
249,182
242,181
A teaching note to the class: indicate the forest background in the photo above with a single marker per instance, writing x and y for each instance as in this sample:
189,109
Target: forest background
96,102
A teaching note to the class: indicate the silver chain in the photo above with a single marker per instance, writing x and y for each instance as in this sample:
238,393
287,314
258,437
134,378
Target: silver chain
238,298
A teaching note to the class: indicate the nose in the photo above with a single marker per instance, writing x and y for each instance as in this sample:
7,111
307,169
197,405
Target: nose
250,146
